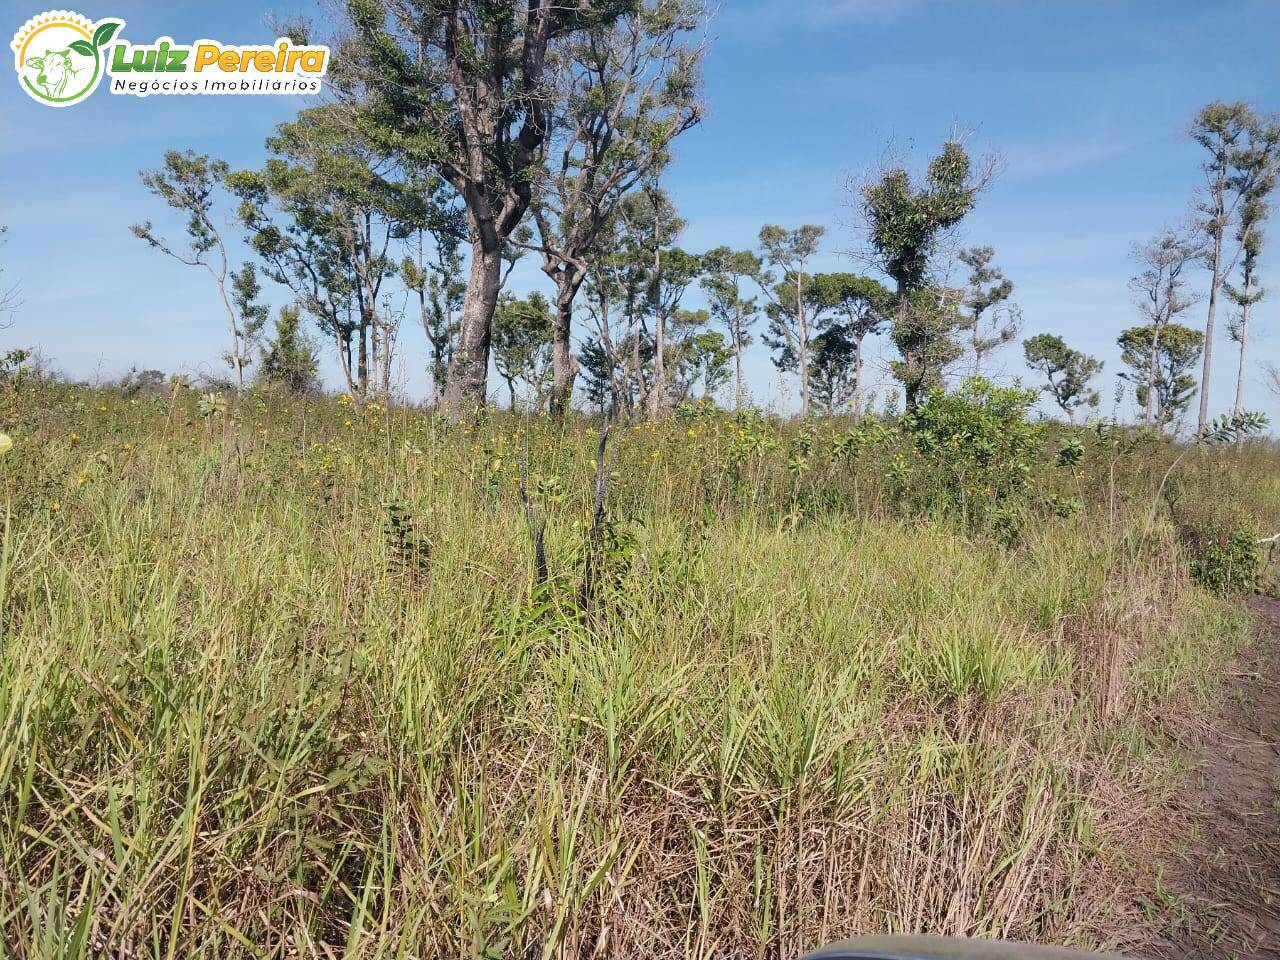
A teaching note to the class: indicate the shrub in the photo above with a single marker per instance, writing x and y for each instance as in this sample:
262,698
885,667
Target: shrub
979,444
1223,556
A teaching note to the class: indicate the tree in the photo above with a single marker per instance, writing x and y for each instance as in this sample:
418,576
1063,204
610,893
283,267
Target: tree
522,342
724,271
464,88
612,283
188,182
660,274
923,330
1243,150
906,217
789,329
322,213
833,369
289,358
1067,371
625,90
701,358
988,290
1176,351
1159,292
439,287
1253,213
862,307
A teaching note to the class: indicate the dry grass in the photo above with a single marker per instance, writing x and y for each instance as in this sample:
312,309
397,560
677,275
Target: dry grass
243,713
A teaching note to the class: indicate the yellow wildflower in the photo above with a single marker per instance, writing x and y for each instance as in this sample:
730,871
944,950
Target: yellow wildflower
55,507
6,443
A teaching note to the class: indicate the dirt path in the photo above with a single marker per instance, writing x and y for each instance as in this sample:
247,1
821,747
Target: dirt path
1220,896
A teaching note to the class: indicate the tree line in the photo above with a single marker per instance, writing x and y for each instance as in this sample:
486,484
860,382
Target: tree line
461,138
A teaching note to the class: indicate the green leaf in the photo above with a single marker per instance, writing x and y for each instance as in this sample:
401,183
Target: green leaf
105,32
82,47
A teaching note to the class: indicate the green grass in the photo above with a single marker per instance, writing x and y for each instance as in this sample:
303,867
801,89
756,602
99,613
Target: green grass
240,715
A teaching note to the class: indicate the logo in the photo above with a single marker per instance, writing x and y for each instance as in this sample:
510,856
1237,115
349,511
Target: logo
61,57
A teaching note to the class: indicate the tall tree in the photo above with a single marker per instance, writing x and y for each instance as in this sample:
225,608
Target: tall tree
189,182
465,88
1067,372
522,343
624,91
861,307
906,218
724,271
1160,293
658,274
322,213
1176,352
611,288
673,271
987,296
1243,149
1253,213
789,252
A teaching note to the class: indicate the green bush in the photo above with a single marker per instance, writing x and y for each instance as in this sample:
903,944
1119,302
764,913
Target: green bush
1222,550
979,446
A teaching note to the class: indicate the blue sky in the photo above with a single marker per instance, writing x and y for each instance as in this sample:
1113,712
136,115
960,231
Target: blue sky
1088,103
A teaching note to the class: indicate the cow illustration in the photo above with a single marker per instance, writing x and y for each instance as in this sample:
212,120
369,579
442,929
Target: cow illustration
56,71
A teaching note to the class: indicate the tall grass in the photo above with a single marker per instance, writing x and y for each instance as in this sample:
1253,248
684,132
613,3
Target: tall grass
247,708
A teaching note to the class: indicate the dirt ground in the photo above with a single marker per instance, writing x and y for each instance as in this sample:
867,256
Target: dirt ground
1219,894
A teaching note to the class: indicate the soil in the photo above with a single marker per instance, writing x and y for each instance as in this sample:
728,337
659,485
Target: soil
1218,894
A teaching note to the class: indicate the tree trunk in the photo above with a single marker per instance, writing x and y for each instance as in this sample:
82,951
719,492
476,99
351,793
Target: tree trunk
362,358
236,362
1244,343
803,336
857,377
642,394
977,353
737,364
564,368
658,390
1153,367
469,366
1215,282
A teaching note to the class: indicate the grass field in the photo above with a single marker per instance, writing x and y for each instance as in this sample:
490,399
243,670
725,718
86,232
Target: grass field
282,678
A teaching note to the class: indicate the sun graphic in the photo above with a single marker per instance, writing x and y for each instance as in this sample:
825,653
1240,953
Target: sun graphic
58,55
